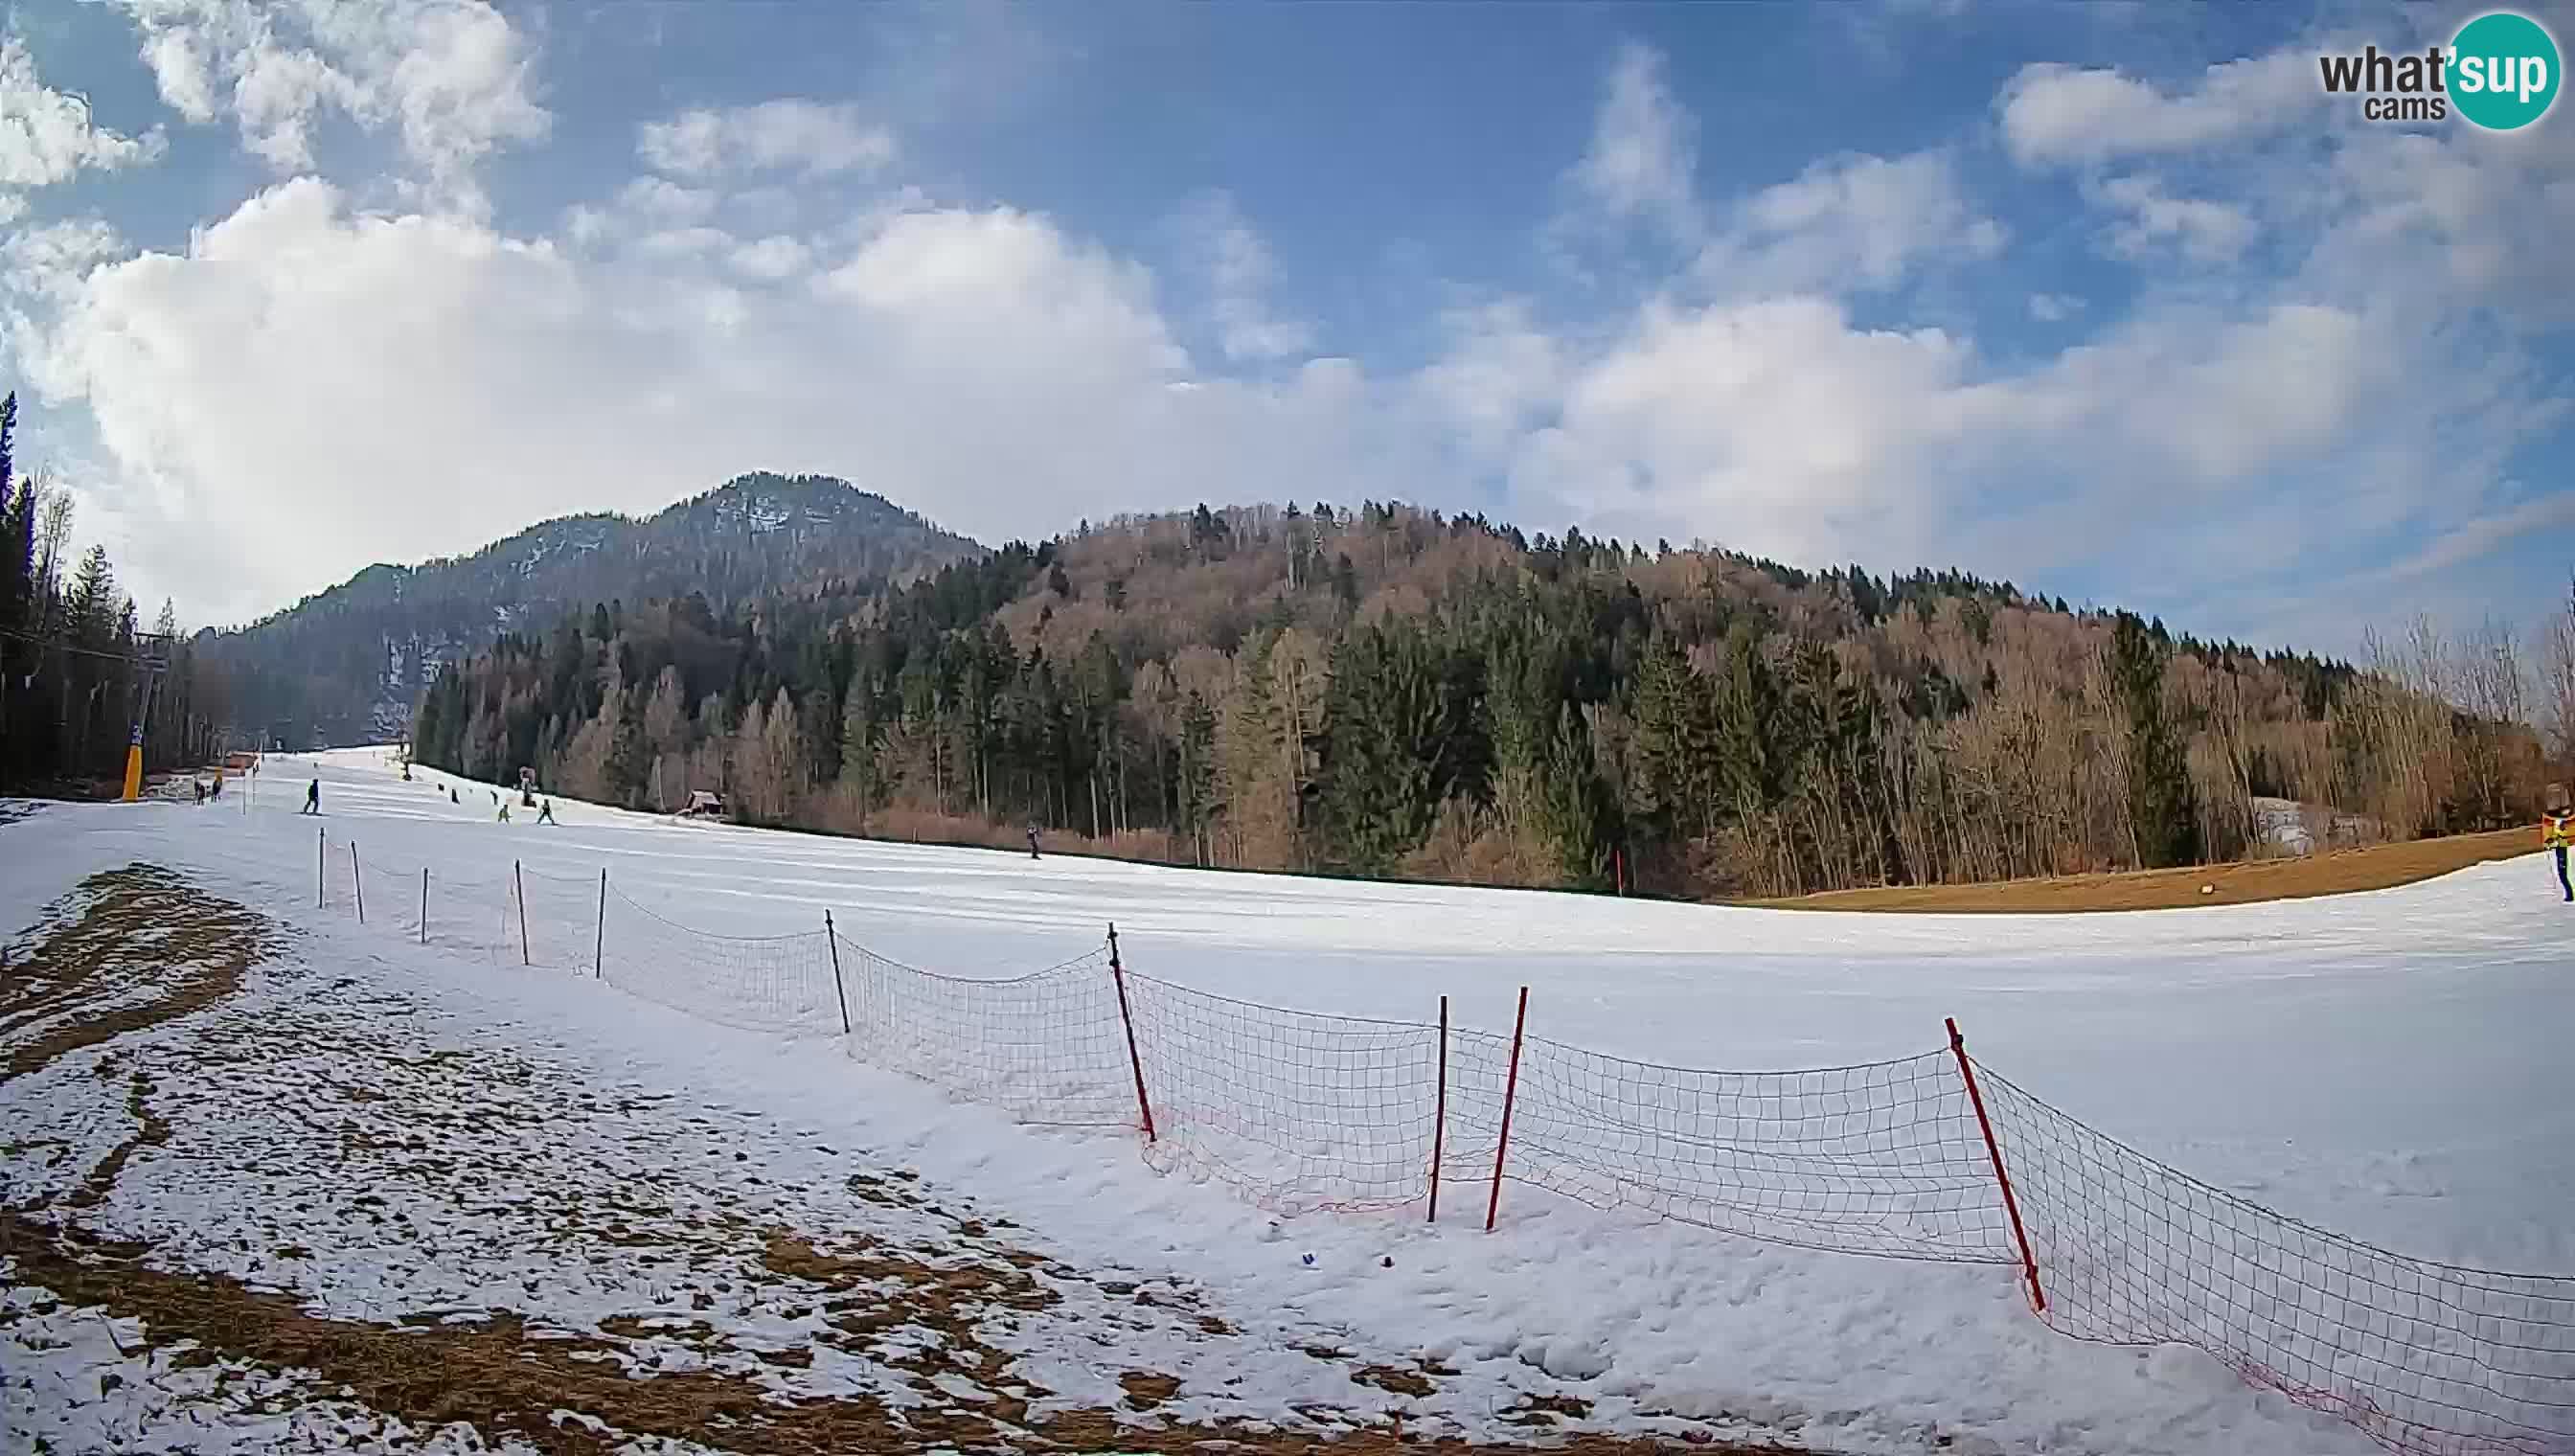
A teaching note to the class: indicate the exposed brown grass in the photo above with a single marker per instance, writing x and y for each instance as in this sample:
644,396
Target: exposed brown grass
149,1130
2341,872
201,946
509,1376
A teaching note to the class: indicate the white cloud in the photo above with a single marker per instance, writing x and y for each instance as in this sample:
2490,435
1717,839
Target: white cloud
1845,223
264,393
1643,151
1771,425
656,199
772,258
46,136
2204,231
1239,272
452,77
1008,377
785,135
1502,374
2475,539
1849,223
48,263
2056,114
2178,452
2474,220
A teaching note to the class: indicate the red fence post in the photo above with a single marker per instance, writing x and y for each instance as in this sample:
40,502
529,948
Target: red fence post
1118,973
599,946
1439,1125
356,883
1510,1094
2011,1205
518,883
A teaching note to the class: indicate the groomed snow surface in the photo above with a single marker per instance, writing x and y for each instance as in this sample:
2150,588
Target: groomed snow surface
2388,1067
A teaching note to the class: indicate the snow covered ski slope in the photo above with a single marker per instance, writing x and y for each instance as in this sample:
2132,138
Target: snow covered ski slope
2385,1066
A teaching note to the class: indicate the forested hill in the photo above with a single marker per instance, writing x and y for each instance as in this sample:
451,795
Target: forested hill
1390,692
346,663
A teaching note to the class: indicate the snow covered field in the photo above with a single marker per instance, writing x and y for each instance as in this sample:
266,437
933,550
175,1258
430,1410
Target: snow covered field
2388,1067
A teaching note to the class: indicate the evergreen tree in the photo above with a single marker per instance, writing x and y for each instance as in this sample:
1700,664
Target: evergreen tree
859,745
630,762
93,606
2162,806
1675,743
1401,738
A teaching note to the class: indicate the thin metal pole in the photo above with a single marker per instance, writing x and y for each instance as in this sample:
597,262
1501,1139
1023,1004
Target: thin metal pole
1511,1093
831,939
424,905
1134,1060
2011,1205
1439,1125
321,856
359,885
599,946
519,882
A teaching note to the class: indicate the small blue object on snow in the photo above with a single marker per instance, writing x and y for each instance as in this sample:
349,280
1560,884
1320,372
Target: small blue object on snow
1310,1258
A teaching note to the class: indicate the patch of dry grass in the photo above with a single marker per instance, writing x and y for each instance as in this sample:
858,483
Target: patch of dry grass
2341,872
197,951
509,1376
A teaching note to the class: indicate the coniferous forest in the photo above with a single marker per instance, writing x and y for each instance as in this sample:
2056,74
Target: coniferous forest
1388,692
75,665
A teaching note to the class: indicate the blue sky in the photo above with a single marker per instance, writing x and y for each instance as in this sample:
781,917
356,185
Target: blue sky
2107,299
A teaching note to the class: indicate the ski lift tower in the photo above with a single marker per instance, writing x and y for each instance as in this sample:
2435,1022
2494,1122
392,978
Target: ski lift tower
151,660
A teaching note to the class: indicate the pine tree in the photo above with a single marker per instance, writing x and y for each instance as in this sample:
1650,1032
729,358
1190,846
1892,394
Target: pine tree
1675,743
93,603
628,758
2163,805
1196,782
859,744
1400,735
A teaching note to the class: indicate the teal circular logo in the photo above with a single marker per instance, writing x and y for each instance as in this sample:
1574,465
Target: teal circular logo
2503,71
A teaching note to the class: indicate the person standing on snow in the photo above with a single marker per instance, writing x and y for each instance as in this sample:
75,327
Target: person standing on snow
311,797
1032,841
545,811
2556,832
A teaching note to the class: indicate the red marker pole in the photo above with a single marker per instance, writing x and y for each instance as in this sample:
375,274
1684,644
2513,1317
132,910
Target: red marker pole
1510,1094
1133,1058
2011,1205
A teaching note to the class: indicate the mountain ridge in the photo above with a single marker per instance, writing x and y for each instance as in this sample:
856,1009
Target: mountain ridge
346,663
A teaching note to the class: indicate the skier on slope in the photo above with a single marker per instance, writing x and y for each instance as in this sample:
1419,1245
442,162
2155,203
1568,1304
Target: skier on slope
311,797
1032,841
2556,832
504,812
545,811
